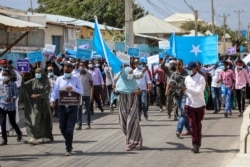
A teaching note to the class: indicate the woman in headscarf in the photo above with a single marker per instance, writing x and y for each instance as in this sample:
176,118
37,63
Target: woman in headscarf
128,89
38,119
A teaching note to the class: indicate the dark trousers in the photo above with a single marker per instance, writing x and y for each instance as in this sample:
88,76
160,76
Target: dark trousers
86,101
241,97
195,116
12,118
67,118
160,90
96,97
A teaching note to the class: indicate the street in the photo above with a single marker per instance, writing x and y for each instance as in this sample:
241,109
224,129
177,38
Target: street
104,144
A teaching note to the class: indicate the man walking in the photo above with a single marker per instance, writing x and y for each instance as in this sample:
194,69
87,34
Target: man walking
67,113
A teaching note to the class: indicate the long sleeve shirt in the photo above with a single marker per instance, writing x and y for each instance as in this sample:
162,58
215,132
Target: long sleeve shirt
12,92
227,78
195,86
97,76
62,83
241,78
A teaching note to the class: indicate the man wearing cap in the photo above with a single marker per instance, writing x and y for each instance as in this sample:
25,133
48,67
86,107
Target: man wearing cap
17,79
195,103
241,79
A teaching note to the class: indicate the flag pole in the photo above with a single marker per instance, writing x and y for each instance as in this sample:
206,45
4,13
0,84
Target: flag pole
104,49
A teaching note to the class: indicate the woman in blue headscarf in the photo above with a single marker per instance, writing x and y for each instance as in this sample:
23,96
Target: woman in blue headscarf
128,90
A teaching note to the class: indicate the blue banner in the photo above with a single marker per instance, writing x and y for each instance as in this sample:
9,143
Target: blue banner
134,52
84,54
35,57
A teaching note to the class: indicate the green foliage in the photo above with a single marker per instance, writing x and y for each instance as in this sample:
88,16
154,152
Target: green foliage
109,12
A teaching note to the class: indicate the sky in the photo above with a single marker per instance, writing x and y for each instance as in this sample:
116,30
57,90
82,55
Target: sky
164,8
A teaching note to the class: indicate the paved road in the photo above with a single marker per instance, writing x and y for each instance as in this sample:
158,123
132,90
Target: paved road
104,145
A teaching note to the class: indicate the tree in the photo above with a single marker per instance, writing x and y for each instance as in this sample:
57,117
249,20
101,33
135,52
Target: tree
109,12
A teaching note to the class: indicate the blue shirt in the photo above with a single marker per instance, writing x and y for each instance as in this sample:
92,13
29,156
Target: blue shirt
62,83
12,93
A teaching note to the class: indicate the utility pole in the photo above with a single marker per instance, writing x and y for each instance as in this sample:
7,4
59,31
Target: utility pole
31,5
248,41
224,30
129,32
195,17
212,8
239,24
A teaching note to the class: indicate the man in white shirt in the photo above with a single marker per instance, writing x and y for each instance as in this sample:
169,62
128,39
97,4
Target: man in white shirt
144,84
195,103
216,88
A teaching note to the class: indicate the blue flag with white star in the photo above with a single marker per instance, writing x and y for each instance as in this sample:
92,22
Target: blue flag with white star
197,48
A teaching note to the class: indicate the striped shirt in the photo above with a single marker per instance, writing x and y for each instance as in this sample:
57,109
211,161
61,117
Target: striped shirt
12,93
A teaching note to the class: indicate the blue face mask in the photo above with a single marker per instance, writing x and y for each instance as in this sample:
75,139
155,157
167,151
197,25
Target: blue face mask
190,72
38,76
67,75
50,74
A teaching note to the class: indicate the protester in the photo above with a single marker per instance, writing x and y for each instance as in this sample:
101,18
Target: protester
241,79
87,83
52,80
128,90
144,84
98,85
227,77
37,112
67,113
109,82
176,82
8,107
195,103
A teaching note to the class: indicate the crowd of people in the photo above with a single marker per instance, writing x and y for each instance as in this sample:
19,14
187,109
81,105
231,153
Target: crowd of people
186,91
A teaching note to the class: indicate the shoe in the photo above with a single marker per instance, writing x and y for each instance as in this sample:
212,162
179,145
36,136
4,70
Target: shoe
19,137
225,114
240,114
161,110
79,128
178,134
68,153
32,141
45,140
195,149
215,112
88,127
3,143
186,133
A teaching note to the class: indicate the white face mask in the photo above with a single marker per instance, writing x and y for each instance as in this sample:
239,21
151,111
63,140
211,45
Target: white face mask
190,72
130,76
90,66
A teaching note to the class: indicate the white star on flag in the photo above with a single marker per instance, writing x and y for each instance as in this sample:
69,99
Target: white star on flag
196,49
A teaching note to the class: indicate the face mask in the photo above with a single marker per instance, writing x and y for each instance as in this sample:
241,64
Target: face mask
239,67
130,76
190,72
67,75
4,68
97,65
50,74
140,67
90,66
38,75
6,78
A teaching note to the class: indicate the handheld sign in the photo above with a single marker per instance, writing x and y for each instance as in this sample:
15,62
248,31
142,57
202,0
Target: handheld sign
153,59
123,57
35,56
84,54
164,44
23,65
69,98
50,48
134,52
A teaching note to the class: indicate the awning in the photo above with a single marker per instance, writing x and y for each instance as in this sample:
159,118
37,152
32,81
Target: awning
14,25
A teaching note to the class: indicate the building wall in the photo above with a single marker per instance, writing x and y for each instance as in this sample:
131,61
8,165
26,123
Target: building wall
52,30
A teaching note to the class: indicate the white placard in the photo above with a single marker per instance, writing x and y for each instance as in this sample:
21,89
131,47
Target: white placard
153,59
123,57
164,44
50,48
246,59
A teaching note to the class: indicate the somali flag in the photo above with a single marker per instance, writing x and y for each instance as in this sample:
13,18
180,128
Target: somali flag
197,48
101,48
